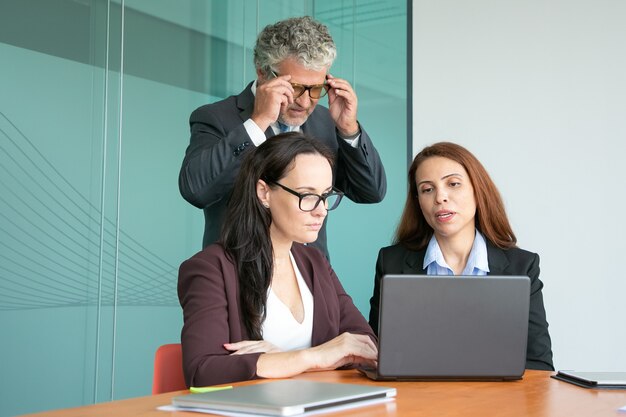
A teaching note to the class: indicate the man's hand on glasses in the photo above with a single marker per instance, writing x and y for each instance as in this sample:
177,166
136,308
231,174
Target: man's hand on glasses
272,96
342,103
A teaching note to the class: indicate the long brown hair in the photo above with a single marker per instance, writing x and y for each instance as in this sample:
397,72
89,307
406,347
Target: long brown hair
246,228
491,220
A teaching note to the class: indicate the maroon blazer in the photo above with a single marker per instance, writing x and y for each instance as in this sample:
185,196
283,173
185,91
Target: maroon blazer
208,290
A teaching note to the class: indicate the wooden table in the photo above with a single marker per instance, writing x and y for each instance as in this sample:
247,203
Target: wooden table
536,395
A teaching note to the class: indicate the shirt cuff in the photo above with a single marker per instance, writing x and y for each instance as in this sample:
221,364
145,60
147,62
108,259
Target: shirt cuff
254,131
351,140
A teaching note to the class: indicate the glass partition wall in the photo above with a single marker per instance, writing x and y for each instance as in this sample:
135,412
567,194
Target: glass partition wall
95,97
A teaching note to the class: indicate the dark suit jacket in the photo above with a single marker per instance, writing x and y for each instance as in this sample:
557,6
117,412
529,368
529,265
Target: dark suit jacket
399,260
219,142
208,290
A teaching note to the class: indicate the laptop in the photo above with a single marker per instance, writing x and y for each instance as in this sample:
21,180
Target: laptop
452,328
285,397
615,380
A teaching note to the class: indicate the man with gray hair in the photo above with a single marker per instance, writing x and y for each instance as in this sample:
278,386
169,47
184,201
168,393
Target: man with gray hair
292,59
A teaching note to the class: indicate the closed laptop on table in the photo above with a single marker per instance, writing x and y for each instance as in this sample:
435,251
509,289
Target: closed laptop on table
452,327
285,397
611,380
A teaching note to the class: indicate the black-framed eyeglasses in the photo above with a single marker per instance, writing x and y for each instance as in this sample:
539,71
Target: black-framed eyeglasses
310,201
315,91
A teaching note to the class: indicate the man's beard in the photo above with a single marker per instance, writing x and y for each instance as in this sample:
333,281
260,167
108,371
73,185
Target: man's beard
288,120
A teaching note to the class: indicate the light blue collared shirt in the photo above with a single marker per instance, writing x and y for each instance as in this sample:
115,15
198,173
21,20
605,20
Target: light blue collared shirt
477,263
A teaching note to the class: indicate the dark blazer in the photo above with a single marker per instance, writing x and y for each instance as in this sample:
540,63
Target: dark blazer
208,290
399,260
219,142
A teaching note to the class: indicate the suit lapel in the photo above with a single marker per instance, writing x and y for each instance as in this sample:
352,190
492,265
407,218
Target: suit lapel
498,262
306,127
245,103
315,128
304,265
414,262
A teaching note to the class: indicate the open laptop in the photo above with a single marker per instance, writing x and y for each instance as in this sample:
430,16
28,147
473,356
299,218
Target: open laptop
452,328
285,397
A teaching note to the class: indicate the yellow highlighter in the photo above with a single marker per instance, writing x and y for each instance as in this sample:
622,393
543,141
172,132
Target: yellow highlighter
199,390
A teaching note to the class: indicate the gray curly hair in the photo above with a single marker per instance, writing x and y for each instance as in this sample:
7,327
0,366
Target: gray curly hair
302,38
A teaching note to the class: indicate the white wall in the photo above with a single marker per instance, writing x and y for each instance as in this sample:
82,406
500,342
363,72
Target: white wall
536,89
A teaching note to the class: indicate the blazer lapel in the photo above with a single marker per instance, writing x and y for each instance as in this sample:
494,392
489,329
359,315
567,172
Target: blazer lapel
498,262
414,262
245,102
306,127
316,127
304,265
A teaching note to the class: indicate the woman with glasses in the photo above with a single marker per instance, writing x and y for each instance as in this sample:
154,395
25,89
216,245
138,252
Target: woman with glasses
261,304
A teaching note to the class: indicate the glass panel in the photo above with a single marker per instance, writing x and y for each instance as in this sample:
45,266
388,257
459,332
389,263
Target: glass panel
165,74
51,140
372,50
175,60
93,227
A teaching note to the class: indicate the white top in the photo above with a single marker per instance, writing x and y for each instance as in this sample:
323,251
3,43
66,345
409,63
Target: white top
280,328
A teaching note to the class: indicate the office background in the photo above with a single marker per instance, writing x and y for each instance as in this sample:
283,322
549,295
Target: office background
537,90
95,97
92,228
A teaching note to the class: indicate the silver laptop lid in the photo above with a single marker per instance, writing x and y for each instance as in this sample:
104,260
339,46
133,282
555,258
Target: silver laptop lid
284,397
596,378
453,327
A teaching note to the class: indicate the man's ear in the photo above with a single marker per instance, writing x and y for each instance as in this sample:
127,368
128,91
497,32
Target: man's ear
259,75
263,193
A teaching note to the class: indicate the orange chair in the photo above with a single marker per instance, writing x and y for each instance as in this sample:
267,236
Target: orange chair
168,369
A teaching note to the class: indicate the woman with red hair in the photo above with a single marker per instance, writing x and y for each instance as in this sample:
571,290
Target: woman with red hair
454,223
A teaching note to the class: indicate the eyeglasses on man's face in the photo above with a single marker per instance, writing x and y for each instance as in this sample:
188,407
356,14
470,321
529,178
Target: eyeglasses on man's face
310,201
315,91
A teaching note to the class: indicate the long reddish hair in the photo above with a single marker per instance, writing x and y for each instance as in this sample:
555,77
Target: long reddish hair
491,220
